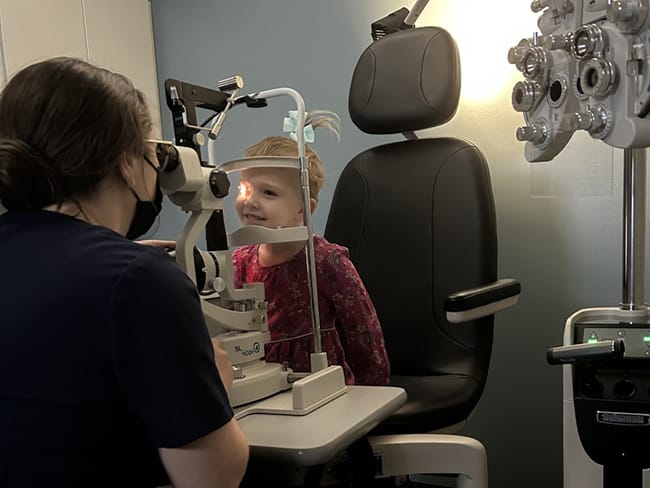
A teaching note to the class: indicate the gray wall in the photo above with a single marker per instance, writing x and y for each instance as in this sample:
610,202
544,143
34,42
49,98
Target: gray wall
559,223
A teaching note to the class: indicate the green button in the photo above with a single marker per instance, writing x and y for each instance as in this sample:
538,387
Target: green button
646,338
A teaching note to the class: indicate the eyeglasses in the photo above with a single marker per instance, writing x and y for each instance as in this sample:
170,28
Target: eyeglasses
166,155
151,163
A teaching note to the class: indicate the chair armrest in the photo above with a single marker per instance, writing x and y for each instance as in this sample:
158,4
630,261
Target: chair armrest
482,301
406,454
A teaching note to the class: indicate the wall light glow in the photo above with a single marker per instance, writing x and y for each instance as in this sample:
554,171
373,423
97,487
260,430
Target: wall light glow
484,32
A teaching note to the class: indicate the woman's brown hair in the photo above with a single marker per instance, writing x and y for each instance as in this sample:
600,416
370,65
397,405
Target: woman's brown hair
64,124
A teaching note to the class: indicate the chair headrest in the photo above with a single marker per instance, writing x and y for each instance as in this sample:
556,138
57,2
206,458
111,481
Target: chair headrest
406,81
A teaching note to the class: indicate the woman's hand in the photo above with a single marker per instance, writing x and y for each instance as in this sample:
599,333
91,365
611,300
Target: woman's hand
224,365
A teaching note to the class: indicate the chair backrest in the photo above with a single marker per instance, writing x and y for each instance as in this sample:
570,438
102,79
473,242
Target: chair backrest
418,218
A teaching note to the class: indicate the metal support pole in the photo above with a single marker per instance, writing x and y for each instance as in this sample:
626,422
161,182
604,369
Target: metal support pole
634,202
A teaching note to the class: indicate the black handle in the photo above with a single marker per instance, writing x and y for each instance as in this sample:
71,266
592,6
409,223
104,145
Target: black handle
577,353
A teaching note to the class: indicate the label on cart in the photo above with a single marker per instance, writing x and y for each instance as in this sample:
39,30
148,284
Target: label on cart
623,418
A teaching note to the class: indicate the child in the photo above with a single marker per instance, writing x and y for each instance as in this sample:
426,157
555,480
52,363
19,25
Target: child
272,197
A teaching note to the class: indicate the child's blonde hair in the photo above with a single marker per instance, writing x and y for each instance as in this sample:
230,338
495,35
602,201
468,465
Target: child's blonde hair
285,146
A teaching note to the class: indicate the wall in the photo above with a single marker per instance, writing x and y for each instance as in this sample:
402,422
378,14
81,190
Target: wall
559,223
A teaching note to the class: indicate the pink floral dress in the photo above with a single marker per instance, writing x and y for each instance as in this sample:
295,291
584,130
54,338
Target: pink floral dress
342,298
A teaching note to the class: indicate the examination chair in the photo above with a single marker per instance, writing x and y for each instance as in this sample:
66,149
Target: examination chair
418,218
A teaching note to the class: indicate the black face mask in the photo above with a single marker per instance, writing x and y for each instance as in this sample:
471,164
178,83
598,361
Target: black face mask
145,211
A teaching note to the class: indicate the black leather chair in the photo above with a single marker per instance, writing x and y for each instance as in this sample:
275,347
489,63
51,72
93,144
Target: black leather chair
419,220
